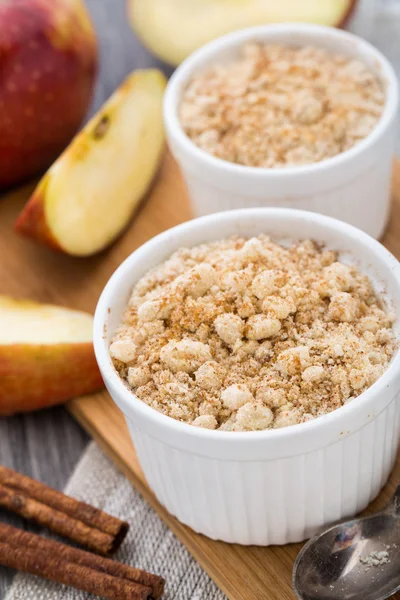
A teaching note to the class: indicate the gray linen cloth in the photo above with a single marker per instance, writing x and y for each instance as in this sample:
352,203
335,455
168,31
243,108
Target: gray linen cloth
149,544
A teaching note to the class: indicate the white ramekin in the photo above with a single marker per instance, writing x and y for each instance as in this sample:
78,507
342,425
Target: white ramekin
353,186
267,487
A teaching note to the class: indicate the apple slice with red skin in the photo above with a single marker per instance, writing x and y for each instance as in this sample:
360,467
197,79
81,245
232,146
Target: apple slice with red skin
173,29
46,355
89,194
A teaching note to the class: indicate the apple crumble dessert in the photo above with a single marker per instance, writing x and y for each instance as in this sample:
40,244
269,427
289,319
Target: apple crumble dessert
279,106
247,334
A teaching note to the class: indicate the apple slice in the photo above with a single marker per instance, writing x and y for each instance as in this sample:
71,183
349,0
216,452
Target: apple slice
46,355
173,29
89,194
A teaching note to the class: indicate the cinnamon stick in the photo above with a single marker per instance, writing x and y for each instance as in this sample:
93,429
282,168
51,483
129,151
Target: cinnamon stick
64,515
36,562
55,520
18,537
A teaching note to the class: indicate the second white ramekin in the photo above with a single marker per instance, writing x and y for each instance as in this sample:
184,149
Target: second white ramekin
266,487
353,186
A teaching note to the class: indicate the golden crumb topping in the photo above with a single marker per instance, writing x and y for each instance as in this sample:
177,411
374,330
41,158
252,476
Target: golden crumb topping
278,106
243,335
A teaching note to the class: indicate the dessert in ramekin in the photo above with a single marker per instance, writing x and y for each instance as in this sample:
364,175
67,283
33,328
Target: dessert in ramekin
277,485
353,185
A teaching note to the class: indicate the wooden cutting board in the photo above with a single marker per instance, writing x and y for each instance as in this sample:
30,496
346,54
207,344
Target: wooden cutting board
28,270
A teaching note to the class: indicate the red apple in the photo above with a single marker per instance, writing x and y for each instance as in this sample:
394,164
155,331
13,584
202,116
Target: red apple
48,59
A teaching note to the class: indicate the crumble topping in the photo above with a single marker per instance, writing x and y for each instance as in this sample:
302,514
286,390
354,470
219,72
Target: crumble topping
278,106
247,334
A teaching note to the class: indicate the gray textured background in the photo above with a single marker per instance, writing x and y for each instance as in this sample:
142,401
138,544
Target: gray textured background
47,445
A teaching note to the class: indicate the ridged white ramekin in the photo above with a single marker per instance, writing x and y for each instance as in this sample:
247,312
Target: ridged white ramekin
353,186
266,487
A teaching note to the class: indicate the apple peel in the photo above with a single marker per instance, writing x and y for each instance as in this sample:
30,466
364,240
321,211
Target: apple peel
46,355
89,194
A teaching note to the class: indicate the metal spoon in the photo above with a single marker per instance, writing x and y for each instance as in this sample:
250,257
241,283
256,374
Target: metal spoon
329,566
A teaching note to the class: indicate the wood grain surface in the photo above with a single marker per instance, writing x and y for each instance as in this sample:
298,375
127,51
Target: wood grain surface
35,272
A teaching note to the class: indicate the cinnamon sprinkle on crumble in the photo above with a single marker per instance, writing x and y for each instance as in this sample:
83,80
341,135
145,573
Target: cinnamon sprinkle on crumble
247,334
279,106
